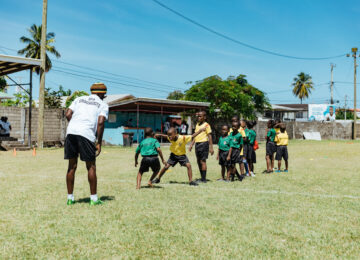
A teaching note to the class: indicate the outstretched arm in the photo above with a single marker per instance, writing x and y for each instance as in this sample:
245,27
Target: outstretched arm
100,132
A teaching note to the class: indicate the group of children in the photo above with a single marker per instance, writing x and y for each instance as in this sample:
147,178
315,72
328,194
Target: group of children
237,146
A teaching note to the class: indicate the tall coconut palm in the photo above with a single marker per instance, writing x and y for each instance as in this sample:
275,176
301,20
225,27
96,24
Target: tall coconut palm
303,86
32,50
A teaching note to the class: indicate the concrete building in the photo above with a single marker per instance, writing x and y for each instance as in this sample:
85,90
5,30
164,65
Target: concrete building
286,112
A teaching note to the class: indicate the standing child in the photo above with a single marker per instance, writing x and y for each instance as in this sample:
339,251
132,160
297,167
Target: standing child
178,153
251,155
236,143
224,147
244,132
282,152
149,148
203,145
235,120
270,146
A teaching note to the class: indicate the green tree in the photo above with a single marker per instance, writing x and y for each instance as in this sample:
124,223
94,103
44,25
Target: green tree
3,84
228,97
176,95
32,50
75,95
302,86
21,100
53,97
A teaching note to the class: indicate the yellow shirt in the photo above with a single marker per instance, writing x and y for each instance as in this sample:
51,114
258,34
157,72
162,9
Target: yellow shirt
243,134
277,130
282,139
203,136
178,147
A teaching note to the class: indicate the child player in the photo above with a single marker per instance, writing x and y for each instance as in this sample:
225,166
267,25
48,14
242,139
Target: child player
149,148
203,144
251,155
235,119
178,153
282,140
224,147
244,132
236,143
270,146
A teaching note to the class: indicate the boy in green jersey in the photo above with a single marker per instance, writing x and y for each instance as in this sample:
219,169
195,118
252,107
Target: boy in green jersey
224,147
236,145
149,148
251,155
270,146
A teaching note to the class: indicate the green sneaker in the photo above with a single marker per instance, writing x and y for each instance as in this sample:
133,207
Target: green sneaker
70,202
98,202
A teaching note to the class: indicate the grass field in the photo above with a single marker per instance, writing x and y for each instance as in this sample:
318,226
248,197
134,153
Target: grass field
311,212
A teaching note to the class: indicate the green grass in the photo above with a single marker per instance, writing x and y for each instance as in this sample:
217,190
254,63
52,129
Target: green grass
311,212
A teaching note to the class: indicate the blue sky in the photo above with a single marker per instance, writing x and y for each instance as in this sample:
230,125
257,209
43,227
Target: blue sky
138,38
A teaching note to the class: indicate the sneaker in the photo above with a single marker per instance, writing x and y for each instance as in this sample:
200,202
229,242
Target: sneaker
220,179
98,202
277,171
286,170
200,181
156,180
192,183
248,175
70,202
252,174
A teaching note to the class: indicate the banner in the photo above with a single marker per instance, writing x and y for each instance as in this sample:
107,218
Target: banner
322,112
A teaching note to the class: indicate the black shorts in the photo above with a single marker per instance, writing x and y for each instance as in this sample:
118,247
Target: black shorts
150,162
251,154
77,144
202,151
181,159
282,153
223,158
235,156
245,149
270,148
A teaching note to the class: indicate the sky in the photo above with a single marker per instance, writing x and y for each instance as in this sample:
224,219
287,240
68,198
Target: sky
140,39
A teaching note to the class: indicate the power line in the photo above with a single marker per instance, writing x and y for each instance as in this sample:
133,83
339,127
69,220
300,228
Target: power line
240,42
110,81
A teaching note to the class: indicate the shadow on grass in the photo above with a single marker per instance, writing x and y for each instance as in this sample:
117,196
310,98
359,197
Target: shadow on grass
102,198
179,182
153,187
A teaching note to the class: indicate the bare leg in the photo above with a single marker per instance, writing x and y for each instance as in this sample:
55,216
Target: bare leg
272,162
242,168
138,181
222,172
163,170
189,170
287,165
230,171
91,167
279,165
268,163
70,175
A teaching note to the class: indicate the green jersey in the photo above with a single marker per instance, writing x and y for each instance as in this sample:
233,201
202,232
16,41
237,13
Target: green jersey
224,143
247,135
271,134
148,147
251,137
236,140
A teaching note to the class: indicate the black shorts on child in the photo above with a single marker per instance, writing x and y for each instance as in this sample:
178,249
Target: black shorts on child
270,148
235,156
150,162
282,153
202,151
251,155
245,150
174,159
223,158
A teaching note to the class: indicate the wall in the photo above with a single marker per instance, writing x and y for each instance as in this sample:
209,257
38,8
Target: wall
54,123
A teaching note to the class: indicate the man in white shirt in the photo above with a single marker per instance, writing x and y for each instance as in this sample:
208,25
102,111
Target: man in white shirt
5,127
86,116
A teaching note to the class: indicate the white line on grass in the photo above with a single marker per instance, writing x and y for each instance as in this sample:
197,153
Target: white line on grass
317,195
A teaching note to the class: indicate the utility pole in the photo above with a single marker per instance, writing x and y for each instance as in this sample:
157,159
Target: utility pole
345,105
354,53
40,136
332,83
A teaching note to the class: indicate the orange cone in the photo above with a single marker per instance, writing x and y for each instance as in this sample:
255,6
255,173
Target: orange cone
14,152
34,152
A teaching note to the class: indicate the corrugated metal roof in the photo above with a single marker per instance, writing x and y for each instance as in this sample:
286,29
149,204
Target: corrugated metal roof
161,101
12,64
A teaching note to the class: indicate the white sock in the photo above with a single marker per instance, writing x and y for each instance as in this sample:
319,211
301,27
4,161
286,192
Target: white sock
94,197
71,197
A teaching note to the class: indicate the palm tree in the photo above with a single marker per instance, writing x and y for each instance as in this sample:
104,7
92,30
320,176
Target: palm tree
302,86
32,50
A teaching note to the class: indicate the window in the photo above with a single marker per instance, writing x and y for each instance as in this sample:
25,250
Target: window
112,118
299,114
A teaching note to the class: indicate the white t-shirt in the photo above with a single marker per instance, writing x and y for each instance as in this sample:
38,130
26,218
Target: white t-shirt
86,111
6,127
329,117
